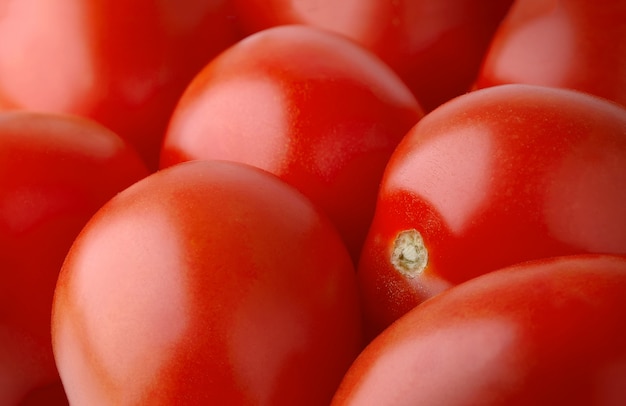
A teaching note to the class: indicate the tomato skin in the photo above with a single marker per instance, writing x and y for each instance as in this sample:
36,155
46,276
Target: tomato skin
49,395
123,64
495,177
55,172
435,47
550,332
209,282
313,108
569,44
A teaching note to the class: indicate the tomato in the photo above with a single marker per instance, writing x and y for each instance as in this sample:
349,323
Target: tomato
435,46
573,44
550,332
49,395
121,63
209,282
495,177
313,108
55,172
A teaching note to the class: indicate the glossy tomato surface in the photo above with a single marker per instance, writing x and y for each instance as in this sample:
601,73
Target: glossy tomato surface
55,173
312,107
122,63
548,332
492,178
577,44
435,46
209,282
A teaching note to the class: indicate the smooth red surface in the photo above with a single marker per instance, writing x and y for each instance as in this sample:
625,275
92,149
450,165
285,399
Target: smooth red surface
313,108
577,44
55,172
50,395
495,177
435,46
122,63
551,332
206,283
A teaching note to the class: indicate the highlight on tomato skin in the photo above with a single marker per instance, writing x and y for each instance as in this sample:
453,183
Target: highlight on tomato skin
56,171
545,332
319,111
573,44
495,177
208,282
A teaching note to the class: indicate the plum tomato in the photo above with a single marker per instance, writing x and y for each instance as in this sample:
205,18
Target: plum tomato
547,332
312,107
122,63
494,177
576,44
435,46
55,173
209,282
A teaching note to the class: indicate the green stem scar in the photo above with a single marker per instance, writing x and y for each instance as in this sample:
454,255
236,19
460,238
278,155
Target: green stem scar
409,256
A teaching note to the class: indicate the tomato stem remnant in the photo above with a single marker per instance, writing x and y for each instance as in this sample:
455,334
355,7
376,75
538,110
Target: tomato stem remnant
409,255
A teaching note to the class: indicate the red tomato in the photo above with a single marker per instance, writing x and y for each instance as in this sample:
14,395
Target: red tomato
55,172
435,46
122,63
209,282
49,395
552,332
577,44
309,106
494,177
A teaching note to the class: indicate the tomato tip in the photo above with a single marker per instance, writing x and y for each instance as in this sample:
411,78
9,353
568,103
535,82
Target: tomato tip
409,255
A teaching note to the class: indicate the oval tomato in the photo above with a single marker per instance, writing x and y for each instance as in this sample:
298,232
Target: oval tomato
209,282
122,63
551,332
309,106
494,177
55,172
435,46
575,44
